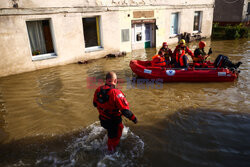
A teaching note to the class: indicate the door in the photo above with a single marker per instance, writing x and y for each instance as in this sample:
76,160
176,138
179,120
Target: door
143,35
147,43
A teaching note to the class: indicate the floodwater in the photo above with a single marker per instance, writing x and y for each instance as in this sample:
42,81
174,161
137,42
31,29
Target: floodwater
47,117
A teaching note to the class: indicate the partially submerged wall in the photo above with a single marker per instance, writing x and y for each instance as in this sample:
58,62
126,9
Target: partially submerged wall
67,28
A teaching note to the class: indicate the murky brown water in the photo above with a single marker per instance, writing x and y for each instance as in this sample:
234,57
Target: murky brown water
47,117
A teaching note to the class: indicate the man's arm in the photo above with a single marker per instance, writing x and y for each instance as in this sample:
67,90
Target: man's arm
123,106
189,52
175,51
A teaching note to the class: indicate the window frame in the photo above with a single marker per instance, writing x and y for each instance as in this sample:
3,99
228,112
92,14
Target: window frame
200,22
46,55
94,48
248,8
178,24
143,33
127,38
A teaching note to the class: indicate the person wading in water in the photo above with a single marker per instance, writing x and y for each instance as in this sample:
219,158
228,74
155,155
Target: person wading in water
112,104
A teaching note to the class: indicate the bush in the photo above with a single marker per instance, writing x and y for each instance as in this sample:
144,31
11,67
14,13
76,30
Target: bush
243,32
232,32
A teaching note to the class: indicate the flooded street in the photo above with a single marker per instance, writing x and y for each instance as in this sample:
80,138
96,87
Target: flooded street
47,117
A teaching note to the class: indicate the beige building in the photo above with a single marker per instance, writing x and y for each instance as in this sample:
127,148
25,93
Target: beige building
36,34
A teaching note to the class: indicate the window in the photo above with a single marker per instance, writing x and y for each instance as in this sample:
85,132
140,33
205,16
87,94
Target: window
197,21
91,31
142,32
138,32
174,24
248,9
125,35
40,38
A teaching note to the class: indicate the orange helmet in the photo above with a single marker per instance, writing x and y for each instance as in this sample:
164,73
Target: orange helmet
164,44
202,44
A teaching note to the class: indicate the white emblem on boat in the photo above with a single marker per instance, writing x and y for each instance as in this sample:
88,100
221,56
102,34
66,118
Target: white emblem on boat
170,72
222,74
147,71
228,75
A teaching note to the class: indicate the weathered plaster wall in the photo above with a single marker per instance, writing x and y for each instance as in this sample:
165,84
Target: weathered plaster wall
186,21
163,21
15,47
14,53
68,41
66,18
80,3
111,34
125,18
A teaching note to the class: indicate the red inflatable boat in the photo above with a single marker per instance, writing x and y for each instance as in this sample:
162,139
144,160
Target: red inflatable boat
144,69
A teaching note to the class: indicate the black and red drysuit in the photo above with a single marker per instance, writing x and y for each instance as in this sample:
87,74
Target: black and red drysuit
112,104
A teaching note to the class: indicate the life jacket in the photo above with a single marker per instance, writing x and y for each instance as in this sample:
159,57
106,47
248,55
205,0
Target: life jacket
105,106
158,61
183,48
199,52
167,51
198,55
102,95
179,58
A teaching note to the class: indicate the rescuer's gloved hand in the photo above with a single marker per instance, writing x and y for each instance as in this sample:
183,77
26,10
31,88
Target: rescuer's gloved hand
134,120
200,57
210,51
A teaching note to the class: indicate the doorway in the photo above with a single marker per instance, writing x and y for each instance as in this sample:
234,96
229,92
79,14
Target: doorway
143,34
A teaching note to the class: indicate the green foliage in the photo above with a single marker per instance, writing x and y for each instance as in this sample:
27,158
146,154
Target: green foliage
243,32
230,32
215,25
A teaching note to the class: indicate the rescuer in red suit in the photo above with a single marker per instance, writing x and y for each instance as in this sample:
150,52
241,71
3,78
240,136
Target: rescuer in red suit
112,104
168,54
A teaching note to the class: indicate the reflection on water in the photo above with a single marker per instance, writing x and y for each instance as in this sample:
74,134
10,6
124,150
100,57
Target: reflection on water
3,134
198,137
50,94
44,113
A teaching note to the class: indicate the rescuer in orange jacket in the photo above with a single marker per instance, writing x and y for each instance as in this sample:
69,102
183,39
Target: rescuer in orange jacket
159,60
181,60
112,104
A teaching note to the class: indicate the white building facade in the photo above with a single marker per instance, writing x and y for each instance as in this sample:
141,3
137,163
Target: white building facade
36,34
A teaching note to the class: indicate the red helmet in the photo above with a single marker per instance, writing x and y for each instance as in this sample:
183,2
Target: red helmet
164,44
202,44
